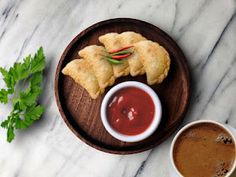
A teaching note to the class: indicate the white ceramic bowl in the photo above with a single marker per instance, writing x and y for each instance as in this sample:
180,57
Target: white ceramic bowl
157,115
176,171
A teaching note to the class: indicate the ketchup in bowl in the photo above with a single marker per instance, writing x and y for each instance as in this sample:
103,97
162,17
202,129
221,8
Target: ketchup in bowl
130,111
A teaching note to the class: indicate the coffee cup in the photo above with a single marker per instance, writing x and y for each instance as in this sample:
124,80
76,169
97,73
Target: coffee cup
186,131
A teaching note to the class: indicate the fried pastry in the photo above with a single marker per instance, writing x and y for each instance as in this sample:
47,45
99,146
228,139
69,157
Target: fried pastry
127,39
82,73
102,68
123,54
155,59
111,43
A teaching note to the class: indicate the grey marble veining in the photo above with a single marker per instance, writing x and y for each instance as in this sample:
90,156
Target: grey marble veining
204,29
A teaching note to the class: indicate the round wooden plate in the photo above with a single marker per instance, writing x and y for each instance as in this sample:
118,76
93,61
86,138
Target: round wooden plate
82,114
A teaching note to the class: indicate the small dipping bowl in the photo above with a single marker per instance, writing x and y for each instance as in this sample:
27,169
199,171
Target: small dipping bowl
153,125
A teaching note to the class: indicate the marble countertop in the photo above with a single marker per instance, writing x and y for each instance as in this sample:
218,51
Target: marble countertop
204,29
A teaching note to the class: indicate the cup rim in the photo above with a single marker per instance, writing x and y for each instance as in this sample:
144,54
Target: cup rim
152,127
190,125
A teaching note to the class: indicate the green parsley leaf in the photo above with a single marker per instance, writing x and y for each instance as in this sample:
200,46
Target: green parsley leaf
4,124
20,124
3,96
9,80
38,62
25,107
34,112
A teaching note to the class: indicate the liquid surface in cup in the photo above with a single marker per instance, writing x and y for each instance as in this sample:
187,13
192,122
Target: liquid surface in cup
204,150
130,111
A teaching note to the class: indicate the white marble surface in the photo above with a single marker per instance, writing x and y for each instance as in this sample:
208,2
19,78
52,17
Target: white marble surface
204,29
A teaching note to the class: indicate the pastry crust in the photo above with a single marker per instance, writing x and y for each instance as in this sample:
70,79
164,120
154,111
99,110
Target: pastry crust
94,73
111,42
155,59
102,68
129,38
82,73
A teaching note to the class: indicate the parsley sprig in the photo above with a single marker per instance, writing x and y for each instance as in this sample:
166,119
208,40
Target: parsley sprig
23,81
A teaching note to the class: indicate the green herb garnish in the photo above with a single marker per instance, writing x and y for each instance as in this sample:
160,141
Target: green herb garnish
121,52
113,61
25,109
115,57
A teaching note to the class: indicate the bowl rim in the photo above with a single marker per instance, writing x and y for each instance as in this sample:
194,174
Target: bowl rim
190,125
154,124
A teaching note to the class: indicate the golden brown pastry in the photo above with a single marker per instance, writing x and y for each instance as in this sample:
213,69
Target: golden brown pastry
82,73
94,72
112,42
102,68
127,39
155,59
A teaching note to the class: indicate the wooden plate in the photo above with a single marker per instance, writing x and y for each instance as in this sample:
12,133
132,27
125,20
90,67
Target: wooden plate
82,114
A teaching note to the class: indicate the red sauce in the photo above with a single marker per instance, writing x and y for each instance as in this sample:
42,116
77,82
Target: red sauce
130,111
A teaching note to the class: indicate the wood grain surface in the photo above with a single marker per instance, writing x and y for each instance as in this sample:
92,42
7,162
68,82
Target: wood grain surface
82,114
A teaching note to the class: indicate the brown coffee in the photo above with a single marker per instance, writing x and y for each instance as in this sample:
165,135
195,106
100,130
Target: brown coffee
204,150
